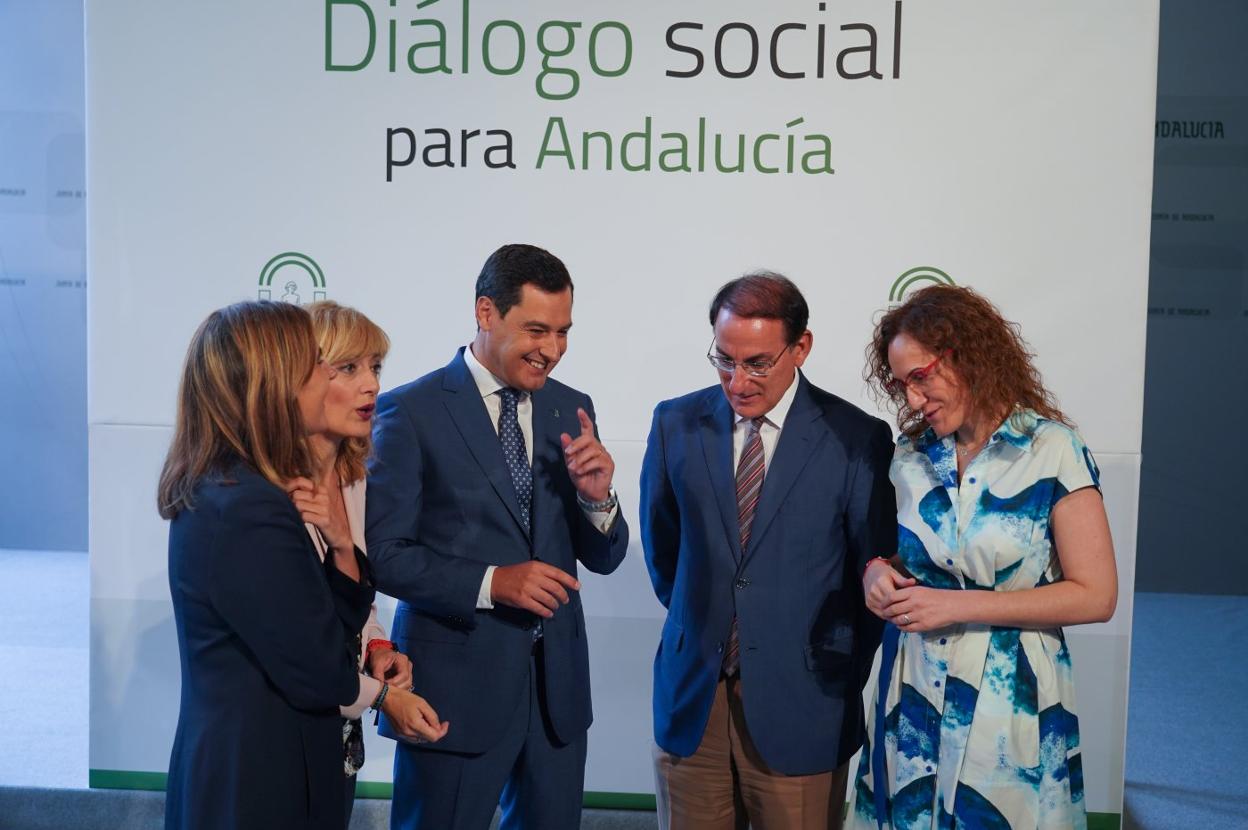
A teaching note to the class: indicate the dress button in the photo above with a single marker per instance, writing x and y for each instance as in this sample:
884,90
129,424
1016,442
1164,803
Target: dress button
948,561
943,641
937,684
971,479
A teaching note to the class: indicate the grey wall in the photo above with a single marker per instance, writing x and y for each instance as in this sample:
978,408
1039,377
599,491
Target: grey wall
43,378
1195,452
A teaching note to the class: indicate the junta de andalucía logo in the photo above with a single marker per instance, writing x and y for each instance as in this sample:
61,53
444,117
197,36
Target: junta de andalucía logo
916,278
292,277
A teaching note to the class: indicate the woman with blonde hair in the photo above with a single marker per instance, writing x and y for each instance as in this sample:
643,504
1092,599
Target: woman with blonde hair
259,619
354,348
1002,540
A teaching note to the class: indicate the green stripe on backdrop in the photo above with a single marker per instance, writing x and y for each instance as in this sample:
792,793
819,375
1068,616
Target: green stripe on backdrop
117,779
619,801
111,779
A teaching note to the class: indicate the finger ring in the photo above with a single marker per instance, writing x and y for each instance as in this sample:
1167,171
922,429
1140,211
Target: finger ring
905,619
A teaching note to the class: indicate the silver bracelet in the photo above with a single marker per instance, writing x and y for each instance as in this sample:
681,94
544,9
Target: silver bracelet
605,506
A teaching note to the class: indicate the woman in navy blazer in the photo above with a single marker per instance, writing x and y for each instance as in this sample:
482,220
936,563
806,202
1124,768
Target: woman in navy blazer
261,622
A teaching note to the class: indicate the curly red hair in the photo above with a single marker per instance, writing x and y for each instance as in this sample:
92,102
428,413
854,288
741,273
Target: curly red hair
986,352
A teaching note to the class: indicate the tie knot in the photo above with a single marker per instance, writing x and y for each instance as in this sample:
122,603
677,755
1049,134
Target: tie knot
756,424
510,397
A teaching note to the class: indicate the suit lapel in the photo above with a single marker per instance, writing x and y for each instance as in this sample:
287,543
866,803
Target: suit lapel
469,415
548,423
716,435
800,435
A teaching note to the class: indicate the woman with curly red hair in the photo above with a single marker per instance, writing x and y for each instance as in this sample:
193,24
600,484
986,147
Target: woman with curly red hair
1002,540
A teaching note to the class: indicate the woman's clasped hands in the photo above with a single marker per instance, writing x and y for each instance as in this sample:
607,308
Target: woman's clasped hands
906,604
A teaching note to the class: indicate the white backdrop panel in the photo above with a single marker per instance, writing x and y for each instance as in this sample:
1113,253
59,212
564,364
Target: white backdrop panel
1013,152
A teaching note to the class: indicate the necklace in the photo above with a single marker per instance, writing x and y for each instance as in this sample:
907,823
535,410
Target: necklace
969,449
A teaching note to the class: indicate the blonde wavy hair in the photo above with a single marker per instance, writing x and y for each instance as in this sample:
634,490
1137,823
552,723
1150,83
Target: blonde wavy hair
345,335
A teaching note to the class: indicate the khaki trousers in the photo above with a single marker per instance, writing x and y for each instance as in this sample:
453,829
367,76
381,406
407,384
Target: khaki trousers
725,785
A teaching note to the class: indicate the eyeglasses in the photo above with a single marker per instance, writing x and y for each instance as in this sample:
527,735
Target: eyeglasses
917,379
753,368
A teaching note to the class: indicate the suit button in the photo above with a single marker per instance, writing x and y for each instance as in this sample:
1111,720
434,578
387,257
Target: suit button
742,582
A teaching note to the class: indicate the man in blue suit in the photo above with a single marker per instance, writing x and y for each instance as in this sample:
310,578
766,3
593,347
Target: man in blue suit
489,485
762,501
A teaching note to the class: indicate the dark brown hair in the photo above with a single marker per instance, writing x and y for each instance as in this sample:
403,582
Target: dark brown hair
764,294
986,352
509,269
238,400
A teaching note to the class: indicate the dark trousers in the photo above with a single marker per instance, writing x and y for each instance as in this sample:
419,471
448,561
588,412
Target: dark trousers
538,781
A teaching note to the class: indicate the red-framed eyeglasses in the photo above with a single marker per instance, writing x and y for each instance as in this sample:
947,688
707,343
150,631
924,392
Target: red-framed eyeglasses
917,379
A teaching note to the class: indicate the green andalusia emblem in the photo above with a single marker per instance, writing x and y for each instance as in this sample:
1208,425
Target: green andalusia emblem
300,280
917,276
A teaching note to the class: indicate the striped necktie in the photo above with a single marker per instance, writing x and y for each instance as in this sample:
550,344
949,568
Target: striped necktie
750,471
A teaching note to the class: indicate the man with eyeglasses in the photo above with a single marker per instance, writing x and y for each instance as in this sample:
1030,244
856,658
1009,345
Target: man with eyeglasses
762,501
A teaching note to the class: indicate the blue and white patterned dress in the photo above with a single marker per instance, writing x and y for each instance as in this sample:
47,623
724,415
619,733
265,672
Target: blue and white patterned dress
974,726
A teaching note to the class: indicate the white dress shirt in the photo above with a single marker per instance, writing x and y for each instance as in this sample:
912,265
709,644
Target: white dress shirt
370,687
489,386
769,432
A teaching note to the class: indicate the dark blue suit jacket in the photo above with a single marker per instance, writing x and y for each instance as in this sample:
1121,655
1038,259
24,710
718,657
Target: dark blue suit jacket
441,508
265,664
806,639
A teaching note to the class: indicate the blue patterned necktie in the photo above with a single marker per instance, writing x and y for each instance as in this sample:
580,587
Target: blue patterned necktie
514,451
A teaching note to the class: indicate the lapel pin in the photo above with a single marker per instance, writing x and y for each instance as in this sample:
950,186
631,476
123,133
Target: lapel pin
555,412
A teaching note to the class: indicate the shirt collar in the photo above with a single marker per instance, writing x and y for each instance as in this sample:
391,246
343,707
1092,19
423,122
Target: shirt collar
487,382
1018,429
776,415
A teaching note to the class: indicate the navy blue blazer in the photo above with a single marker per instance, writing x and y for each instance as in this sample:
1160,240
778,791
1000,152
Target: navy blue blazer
807,640
265,664
441,508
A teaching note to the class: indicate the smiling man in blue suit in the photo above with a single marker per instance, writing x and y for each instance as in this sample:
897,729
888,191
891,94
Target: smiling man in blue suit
762,501
488,486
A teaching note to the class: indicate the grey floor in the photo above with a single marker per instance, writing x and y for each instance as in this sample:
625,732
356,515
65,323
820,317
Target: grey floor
77,809
44,632
1187,735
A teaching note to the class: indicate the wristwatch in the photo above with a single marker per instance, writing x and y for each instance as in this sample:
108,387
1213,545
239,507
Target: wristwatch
605,506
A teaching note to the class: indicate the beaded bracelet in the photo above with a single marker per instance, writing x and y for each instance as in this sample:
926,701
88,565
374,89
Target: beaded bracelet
376,644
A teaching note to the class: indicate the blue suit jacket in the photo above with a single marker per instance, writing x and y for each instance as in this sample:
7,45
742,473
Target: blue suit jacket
441,508
806,639
265,663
